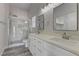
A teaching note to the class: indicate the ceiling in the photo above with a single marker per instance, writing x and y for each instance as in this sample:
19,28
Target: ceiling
24,6
31,8
34,9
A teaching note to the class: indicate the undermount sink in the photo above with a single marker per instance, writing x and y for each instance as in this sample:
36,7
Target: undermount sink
57,39
64,41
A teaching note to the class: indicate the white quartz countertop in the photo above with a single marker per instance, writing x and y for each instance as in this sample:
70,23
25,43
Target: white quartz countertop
71,45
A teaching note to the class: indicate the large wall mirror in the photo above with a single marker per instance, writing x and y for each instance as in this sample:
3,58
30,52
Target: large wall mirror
65,17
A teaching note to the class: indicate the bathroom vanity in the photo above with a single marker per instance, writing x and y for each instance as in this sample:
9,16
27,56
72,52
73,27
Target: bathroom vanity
65,19
48,45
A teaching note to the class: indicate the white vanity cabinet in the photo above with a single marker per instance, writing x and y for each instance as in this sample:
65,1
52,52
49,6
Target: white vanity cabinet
40,47
36,46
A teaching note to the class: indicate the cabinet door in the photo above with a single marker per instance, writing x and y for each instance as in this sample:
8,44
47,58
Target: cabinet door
31,44
28,42
54,50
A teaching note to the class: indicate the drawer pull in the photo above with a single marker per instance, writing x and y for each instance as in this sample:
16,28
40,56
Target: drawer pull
39,50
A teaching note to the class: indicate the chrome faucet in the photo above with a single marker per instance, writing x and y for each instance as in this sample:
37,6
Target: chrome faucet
65,36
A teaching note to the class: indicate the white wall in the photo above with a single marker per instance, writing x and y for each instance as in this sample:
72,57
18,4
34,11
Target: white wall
22,14
4,12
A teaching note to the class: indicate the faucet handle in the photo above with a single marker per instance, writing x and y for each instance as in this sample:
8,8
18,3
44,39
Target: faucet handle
68,36
64,33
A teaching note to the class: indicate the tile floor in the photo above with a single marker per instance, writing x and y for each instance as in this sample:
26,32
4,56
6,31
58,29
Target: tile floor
17,51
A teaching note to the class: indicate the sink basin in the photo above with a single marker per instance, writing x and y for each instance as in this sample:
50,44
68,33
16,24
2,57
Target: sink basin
66,42
58,40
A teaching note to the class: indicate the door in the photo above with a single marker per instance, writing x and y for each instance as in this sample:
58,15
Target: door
17,31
